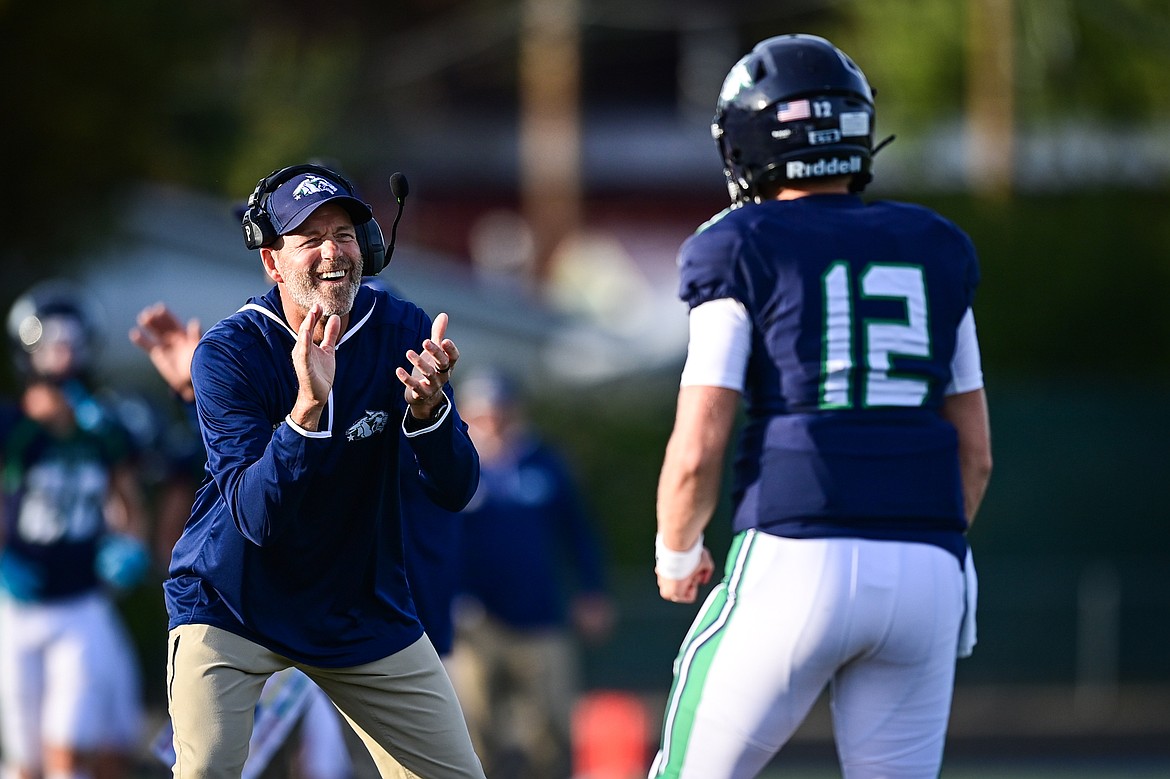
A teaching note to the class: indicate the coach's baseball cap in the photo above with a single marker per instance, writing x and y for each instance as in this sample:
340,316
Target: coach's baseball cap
294,200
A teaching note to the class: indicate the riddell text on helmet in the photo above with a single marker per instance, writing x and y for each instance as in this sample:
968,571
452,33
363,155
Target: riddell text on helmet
822,167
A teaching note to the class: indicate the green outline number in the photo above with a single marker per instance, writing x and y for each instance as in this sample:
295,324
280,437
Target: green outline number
883,339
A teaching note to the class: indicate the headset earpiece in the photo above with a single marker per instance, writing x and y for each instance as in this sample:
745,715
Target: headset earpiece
257,226
373,248
258,229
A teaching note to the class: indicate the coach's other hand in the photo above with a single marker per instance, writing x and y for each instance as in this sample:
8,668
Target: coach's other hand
432,369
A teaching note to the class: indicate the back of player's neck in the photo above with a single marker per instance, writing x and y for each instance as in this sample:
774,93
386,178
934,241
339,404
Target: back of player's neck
812,189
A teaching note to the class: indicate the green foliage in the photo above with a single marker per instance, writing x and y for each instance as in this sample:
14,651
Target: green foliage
90,90
1109,61
1074,285
1101,60
101,96
205,94
912,54
616,453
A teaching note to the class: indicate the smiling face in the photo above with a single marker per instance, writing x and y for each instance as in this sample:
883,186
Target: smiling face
318,263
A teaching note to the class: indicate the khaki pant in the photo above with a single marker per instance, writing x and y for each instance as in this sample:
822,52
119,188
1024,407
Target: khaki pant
402,706
517,690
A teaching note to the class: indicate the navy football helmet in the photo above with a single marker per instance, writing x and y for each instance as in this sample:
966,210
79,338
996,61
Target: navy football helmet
55,331
795,108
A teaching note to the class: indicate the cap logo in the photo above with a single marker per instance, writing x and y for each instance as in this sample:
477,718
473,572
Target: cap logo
314,185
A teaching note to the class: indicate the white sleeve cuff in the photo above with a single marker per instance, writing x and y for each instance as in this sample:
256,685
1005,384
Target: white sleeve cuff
305,432
433,424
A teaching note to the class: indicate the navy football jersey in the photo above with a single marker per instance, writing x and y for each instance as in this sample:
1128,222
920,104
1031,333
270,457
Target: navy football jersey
528,542
854,310
55,492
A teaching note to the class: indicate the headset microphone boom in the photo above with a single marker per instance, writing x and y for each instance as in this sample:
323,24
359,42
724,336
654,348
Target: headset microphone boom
399,188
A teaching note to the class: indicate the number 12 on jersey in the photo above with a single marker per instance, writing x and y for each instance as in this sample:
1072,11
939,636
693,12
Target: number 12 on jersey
843,361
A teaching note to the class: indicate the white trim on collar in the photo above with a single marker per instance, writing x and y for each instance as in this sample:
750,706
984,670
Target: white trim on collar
354,327
268,313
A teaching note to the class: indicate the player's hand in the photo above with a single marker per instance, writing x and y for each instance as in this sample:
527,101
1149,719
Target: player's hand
316,366
593,617
170,345
432,369
687,590
46,404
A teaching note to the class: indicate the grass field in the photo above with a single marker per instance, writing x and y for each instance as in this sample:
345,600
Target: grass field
995,735
1036,733
1114,769
998,771
1005,759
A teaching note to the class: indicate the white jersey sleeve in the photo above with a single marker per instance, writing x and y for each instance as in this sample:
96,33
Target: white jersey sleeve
967,364
720,344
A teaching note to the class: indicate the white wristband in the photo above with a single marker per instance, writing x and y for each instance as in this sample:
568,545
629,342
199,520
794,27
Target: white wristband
670,564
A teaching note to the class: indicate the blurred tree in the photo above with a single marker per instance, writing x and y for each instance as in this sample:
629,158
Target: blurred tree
1073,286
212,95
1103,60
99,96
1098,59
92,102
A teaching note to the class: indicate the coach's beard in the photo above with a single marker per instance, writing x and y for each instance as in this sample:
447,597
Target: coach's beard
336,298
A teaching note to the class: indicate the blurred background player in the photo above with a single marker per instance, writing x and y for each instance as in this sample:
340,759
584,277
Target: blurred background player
847,330
73,530
531,586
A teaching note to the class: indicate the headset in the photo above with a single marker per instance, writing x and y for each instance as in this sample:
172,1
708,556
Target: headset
259,230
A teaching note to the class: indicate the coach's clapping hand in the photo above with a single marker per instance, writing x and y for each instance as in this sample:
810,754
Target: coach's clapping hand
432,369
316,366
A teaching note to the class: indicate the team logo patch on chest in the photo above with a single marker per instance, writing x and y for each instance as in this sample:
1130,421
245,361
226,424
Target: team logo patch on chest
372,423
